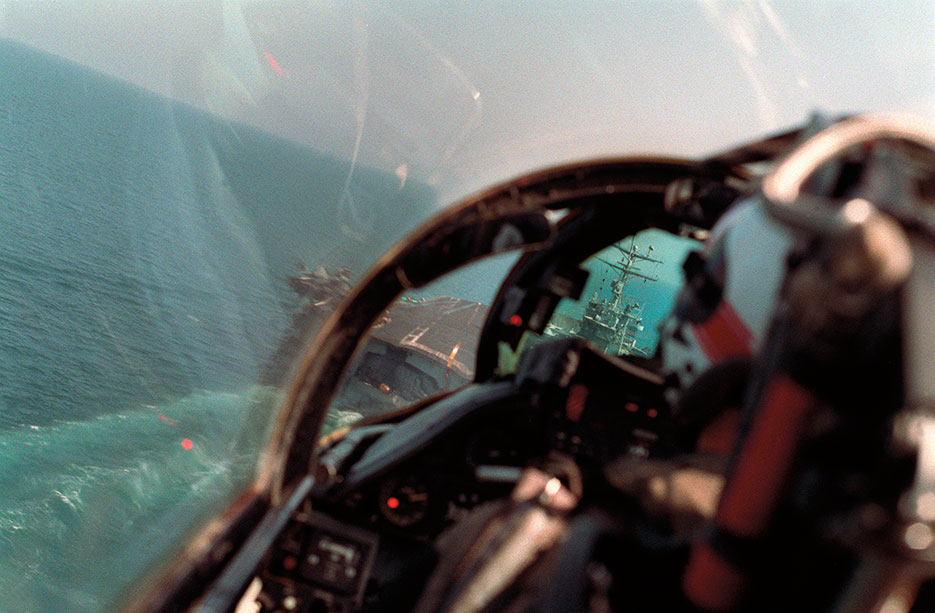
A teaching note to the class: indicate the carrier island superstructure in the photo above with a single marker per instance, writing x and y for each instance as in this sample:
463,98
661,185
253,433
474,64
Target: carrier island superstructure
614,325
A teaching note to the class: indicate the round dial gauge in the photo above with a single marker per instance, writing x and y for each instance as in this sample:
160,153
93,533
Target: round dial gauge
404,500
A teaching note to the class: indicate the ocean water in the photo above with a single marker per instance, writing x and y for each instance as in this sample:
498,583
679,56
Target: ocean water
88,504
144,247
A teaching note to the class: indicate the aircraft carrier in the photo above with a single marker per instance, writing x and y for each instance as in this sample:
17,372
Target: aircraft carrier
419,347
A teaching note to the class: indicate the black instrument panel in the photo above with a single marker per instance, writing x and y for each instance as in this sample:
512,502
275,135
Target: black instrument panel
359,545
393,493
319,562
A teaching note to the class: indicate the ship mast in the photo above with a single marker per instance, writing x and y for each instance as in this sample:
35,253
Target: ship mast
628,316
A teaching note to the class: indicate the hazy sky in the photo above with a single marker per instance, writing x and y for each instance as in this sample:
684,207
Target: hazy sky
460,97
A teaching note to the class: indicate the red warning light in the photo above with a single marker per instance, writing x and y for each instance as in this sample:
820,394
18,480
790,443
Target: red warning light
289,563
516,320
392,502
187,444
652,412
632,407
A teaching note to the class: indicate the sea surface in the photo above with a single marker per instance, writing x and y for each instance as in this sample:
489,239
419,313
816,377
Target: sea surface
144,247
144,252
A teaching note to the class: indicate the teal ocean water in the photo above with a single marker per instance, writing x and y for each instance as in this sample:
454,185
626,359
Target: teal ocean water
144,247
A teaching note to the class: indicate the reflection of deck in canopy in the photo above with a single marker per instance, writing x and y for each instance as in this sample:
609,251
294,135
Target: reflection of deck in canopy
445,330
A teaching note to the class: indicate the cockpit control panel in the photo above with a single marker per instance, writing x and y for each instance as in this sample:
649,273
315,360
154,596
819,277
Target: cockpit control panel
321,563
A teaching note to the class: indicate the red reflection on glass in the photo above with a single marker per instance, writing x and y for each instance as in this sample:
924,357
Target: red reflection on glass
273,63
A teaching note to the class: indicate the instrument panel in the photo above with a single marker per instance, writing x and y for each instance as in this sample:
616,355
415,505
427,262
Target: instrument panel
411,502
343,555
368,544
320,564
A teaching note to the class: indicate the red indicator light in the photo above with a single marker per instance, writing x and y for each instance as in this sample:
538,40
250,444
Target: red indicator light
631,407
392,502
577,397
652,412
516,320
187,444
289,563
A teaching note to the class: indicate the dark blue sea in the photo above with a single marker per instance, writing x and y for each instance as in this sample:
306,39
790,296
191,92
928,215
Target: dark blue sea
144,247
144,252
